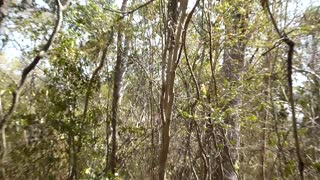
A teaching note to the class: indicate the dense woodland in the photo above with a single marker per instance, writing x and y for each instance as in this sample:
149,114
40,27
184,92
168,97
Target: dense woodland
160,89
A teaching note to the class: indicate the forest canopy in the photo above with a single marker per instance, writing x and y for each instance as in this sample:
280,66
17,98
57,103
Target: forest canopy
160,89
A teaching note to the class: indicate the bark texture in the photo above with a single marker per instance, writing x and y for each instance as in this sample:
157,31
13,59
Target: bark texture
233,65
120,69
176,26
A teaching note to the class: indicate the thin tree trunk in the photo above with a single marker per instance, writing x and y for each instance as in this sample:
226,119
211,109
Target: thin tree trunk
314,66
267,93
176,27
119,73
3,150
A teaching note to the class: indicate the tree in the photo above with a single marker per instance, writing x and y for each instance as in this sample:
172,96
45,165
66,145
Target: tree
154,89
118,87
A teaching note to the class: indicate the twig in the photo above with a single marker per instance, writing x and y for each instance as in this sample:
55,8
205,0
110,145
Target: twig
276,44
124,13
306,71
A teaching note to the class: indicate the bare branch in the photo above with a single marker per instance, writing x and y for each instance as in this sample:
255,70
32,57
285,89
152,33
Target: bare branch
26,71
291,45
124,13
306,71
96,72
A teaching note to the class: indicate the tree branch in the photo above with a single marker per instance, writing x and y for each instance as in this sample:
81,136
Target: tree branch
306,71
26,71
124,13
96,72
291,45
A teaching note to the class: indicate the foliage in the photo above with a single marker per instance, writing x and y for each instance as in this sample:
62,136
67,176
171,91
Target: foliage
230,110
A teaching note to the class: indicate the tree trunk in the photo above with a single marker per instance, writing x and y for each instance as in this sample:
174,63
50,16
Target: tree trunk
119,73
233,62
174,26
